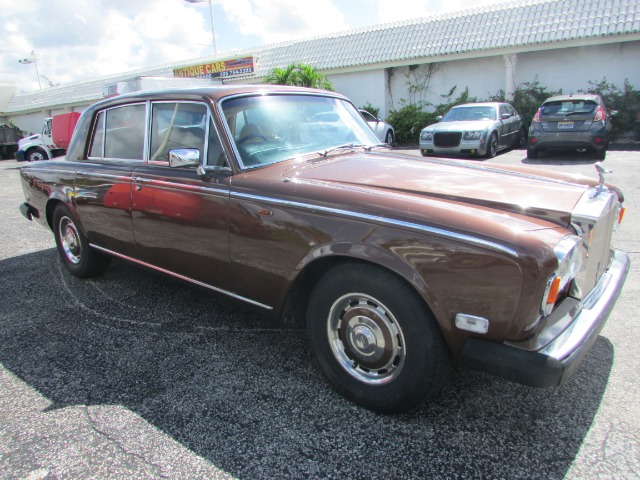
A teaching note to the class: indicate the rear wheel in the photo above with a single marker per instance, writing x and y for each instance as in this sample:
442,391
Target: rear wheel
492,146
388,138
531,153
36,154
375,339
79,258
521,140
601,154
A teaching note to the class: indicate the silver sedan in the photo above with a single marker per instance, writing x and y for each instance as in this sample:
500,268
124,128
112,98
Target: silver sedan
478,129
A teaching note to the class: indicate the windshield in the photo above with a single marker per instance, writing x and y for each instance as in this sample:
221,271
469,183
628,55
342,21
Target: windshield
271,128
470,114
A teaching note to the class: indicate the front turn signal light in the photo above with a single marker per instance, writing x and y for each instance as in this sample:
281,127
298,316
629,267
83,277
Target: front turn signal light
621,214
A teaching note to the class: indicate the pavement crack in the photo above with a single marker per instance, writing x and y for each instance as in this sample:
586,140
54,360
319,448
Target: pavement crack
94,425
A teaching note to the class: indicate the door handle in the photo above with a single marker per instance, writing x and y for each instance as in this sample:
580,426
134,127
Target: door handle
141,180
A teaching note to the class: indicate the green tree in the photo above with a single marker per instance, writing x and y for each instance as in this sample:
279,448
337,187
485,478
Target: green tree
299,75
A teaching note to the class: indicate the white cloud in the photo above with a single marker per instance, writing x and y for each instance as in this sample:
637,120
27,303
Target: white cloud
280,20
80,39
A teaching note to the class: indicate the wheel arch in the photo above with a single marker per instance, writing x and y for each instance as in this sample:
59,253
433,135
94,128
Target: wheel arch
294,308
30,148
56,199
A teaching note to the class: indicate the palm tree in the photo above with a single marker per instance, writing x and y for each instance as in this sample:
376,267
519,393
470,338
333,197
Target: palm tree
300,75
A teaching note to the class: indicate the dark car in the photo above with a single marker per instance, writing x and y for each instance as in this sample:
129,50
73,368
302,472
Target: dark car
477,129
573,123
285,199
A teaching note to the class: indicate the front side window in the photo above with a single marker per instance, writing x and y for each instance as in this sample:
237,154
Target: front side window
177,125
272,128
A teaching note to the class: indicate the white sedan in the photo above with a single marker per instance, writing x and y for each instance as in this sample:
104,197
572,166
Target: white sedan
383,130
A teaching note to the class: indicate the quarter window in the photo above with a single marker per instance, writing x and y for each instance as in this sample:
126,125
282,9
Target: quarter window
98,138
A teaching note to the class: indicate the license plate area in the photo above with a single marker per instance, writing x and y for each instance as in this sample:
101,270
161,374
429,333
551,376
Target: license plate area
565,125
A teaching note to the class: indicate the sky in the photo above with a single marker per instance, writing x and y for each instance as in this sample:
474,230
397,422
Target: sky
75,40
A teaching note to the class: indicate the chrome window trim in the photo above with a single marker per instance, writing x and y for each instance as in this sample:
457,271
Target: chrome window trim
382,220
145,150
182,277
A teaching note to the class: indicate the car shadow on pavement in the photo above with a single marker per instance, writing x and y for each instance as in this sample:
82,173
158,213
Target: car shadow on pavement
241,390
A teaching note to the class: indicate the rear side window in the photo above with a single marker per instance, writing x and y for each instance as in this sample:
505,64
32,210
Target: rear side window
568,107
119,133
124,132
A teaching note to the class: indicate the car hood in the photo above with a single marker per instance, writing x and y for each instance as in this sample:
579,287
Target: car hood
403,178
459,126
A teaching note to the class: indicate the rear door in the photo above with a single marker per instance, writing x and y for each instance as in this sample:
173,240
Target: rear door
103,181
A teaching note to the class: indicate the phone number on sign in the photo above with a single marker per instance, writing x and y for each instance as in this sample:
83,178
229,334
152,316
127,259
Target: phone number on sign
238,71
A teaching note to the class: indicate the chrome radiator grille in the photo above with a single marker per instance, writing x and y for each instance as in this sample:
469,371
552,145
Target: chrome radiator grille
594,219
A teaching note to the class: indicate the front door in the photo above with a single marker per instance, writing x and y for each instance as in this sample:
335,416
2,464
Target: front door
180,217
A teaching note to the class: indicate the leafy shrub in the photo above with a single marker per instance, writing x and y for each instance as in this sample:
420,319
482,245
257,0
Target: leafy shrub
408,120
625,100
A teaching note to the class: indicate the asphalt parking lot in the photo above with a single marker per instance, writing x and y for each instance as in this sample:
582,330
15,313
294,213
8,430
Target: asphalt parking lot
134,375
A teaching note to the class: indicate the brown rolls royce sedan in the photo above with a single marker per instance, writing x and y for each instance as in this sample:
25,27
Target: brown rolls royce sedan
398,265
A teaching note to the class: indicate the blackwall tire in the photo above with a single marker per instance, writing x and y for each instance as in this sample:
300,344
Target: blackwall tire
375,339
36,154
521,141
388,138
492,146
79,258
531,153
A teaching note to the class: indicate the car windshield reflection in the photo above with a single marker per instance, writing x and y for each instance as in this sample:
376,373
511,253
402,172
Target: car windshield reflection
271,128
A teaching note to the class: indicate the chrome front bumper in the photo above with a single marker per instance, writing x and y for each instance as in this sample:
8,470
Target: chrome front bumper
556,361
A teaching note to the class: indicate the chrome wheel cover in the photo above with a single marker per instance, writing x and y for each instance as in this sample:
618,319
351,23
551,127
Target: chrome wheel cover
366,339
70,240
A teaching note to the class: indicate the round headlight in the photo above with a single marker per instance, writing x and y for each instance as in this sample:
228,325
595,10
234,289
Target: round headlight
569,263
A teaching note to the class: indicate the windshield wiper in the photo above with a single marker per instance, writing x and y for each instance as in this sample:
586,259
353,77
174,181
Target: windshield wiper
351,146
368,148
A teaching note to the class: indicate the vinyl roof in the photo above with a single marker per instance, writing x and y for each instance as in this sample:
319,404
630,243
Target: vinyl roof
520,26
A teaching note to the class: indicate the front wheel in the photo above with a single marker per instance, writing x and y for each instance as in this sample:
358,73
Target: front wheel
79,258
375,339
492,146
36,154
521,139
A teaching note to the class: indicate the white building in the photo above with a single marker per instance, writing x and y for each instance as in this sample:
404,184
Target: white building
563,44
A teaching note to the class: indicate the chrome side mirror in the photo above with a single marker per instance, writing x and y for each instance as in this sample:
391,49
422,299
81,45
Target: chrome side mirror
506,116
184,157
438,118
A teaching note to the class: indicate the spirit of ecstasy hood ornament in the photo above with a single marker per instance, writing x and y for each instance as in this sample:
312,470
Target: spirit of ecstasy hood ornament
601,187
